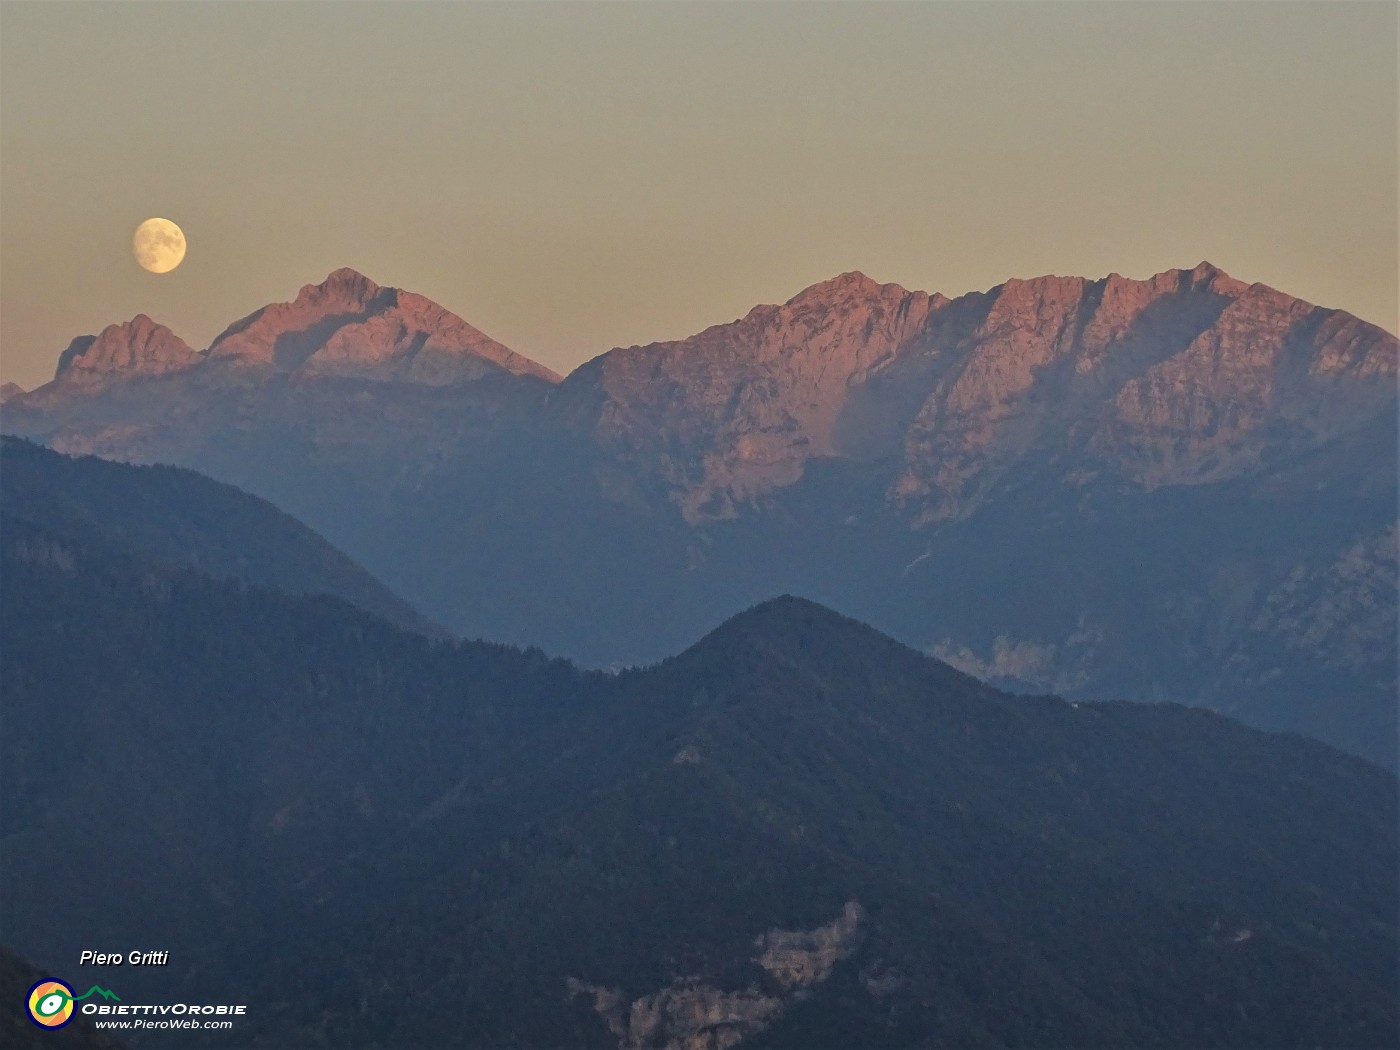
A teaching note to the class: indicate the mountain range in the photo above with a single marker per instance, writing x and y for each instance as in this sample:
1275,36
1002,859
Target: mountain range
797,832
1180,488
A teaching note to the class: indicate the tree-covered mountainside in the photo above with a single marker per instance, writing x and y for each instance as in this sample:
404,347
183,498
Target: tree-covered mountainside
796,833
178,518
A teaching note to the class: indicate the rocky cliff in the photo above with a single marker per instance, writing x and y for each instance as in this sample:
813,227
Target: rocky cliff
1187,377
138,348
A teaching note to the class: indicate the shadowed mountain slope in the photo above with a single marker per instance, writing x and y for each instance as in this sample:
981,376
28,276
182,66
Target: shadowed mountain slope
53,505
797,832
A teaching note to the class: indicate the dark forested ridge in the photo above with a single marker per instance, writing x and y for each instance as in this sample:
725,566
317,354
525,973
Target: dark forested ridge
176,517
796,833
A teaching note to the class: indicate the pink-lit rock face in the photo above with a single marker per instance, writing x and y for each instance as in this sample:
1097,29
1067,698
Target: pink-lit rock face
350,326
1178,379
139,347
754,399
1189,376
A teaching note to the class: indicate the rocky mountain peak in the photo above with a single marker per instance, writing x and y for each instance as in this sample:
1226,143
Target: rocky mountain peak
136,347
1205,270
344,288
1209,277
738,408
348,325
850,285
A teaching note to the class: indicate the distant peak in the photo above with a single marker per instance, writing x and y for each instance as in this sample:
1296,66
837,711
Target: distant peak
853,277
346,275
350,326
853,282
1208,276
344,285
138,346
140,328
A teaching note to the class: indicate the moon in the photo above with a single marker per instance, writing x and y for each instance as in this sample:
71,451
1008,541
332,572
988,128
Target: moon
159,245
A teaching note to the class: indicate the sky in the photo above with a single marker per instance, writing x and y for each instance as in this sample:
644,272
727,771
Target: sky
574,177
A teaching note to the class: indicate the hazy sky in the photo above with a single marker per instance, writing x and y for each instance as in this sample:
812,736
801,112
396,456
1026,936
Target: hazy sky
570,178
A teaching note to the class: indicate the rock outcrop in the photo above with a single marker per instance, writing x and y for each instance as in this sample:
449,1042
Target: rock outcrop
1342,612
694,1015
801,958
138,348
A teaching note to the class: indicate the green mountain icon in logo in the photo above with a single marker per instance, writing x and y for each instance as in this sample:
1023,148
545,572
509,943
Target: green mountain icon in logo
105,993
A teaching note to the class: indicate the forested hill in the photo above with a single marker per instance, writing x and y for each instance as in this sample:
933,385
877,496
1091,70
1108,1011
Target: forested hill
176,517
796,833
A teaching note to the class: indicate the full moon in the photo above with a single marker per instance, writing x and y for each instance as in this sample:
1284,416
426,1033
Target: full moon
159,245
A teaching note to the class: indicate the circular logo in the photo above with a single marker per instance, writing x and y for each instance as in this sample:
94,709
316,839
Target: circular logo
50,1004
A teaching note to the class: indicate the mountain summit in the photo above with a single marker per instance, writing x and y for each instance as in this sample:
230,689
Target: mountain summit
139,347
349,326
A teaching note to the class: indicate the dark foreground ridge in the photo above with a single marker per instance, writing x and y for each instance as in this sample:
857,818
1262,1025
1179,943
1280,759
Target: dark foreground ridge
180,519
798,832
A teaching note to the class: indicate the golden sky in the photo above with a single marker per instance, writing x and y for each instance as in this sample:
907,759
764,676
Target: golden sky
573,177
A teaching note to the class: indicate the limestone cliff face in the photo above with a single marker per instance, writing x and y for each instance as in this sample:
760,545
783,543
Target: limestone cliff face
349,326
694,1015
735,411
138,347
1271,371
1186,377
802,958
688,1015
1344,612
